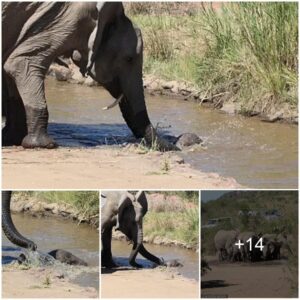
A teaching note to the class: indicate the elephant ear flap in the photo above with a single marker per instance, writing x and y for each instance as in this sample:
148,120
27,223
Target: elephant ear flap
142,200
125,201
108,12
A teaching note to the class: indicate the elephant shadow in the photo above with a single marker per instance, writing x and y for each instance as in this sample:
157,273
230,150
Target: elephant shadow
7,258
123,265
209,284
93,135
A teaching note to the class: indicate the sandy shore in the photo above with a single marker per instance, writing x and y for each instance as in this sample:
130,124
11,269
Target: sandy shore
40,283
104,167
239,280
145,283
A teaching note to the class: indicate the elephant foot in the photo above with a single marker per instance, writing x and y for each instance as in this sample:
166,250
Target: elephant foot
38,141
109,264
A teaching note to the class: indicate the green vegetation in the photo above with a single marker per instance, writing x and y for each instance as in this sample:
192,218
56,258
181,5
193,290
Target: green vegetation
240,52
85,204
175,217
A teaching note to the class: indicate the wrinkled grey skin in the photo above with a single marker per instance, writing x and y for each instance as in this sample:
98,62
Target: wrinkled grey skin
99,38
224,244
67,257
9,228
125,212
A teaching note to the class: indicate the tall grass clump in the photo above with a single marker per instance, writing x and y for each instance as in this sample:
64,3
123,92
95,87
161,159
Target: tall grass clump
251,54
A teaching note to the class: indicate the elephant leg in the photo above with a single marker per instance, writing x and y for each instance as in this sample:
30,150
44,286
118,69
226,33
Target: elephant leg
28,74
106,255
14,112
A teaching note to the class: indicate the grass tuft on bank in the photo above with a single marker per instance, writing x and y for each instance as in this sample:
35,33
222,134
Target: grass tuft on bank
239,52
174,217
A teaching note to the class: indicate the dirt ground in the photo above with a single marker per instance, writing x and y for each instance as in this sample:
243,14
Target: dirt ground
103,167
147,283
40,283
241,280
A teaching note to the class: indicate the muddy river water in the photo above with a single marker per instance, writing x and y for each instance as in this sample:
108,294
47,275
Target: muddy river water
53,233
189,258
255,153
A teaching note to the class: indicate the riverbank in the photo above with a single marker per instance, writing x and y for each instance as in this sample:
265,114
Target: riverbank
188,57
103,167
40,283
146,283
62,204
165,211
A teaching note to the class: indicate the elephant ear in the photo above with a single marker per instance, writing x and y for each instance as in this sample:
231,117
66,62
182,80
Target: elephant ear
108,13
142,200
125,201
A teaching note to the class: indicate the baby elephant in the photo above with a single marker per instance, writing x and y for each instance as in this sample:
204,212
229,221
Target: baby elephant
67,257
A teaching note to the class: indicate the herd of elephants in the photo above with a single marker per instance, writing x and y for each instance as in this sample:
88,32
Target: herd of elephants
233,245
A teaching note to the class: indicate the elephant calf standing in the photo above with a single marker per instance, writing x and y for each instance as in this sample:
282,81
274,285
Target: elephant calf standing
125,212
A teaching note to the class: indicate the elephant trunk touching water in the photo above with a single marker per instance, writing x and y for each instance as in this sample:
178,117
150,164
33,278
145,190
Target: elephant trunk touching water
125,212
8,226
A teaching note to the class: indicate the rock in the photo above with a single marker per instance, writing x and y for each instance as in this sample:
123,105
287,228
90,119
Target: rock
229,108
175,159
188,139
168,85
61,73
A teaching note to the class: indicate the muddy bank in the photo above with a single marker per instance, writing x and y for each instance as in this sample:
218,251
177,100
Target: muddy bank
251,280
40,283
102,167
185,91
141,283
37,207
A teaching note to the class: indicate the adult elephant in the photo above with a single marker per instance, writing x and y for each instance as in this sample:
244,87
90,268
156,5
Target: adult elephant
8,226
125,212
99,38
225,244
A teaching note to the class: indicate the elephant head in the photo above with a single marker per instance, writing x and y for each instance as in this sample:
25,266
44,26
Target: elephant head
116,61
8,226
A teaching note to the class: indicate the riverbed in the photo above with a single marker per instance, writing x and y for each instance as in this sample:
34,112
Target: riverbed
255,153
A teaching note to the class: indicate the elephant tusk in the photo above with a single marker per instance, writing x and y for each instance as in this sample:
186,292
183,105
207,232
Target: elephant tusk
117,101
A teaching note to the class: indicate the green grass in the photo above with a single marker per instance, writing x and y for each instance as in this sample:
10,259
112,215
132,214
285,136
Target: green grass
173,221
241,52
86,204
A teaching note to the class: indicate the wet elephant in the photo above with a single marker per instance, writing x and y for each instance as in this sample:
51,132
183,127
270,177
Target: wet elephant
100,39
125,212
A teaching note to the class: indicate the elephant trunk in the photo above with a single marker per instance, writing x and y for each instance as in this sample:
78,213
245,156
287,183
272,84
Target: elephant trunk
136,246
138,121
150,256
8,226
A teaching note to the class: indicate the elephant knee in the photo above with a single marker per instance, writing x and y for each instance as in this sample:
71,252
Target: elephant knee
14,66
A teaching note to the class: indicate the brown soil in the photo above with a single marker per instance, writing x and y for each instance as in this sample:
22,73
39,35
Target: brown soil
40,283
109,168
238,280
146,283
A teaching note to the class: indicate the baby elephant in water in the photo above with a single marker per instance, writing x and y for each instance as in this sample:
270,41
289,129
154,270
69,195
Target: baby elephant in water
67,257
187,140
61,255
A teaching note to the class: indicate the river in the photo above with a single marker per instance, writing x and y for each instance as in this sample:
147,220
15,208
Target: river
255,153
